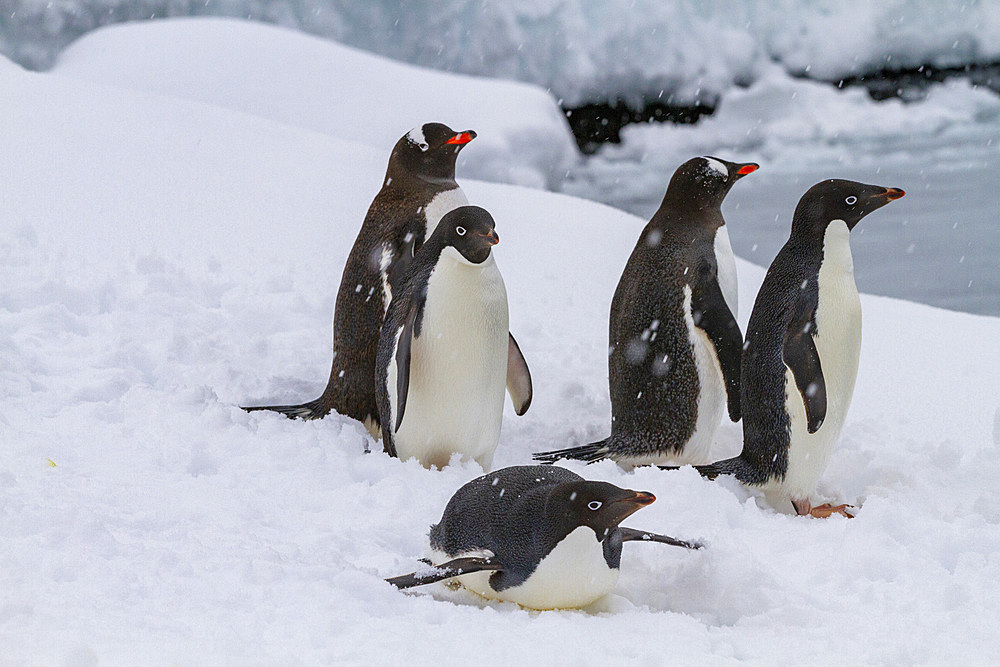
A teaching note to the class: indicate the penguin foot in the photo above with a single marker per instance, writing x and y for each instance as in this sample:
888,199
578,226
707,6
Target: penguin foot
824,511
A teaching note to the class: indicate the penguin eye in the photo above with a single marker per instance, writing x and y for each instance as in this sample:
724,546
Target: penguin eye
460,231
594,504
851,201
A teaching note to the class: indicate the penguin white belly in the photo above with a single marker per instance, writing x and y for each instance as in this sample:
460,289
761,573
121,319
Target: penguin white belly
573,574
727,269
458,366
711,393
838,343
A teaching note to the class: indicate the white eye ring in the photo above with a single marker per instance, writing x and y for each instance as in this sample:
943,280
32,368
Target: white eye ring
460,230
594,504
851,201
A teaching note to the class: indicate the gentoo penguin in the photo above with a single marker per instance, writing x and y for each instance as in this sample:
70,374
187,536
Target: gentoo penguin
540,536
674,357
445,351
418,189
802,349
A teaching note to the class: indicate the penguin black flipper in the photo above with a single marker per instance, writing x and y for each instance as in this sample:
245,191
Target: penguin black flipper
518,377
712,315
629,534
403,364
800,355
452,568
402,259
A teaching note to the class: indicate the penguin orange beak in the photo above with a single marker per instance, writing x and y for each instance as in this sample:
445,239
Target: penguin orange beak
492,237
892,194
641,498
748,168
462,138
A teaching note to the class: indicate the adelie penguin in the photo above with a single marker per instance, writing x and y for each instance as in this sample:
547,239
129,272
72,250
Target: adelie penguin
675,346
445,352
540,536
802,349
419,188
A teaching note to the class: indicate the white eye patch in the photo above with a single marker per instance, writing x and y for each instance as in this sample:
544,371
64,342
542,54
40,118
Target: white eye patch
851,201
594,504
460,231
717,166
416,136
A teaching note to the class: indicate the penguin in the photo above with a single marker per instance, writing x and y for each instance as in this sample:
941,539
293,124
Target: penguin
540,536
675,346
445,350
802,349
418,189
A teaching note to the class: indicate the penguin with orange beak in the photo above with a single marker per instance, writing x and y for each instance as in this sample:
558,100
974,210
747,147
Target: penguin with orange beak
540,536
445,352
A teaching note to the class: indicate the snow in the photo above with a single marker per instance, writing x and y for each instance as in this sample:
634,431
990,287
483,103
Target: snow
319,85
586,50
165,260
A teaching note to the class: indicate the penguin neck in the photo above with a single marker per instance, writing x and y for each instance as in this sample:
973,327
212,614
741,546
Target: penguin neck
397,175
683,214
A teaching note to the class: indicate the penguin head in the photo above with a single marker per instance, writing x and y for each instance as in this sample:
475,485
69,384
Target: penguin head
469,230
838,199
703,182
428,152
597,505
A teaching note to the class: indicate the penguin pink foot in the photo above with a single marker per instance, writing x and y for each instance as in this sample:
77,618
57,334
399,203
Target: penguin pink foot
824,511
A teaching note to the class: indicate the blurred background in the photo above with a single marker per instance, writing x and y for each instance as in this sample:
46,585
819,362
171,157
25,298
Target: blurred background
897,93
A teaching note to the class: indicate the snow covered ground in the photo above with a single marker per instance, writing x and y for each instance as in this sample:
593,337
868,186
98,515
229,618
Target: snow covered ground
164,260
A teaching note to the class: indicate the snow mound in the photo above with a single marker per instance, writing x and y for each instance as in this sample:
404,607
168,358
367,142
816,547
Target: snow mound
319,85
586,50
164,260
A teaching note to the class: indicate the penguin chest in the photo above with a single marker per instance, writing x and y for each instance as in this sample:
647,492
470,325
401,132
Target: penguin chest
838,343
573,574
726,262
711,392
458,367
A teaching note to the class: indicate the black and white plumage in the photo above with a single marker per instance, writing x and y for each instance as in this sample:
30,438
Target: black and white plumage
540,536
675,346
803,345
445,352
419,188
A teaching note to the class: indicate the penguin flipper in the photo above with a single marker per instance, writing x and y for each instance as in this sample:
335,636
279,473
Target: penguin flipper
452,568
800,355
629,534
711,314
518,377
591,453
403,363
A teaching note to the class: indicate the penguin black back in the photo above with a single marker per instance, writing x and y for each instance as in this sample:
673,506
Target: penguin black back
421,167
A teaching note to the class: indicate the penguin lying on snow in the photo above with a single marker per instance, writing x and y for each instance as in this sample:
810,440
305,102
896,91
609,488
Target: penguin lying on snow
419,188
540,536
802,349
674,360
445,352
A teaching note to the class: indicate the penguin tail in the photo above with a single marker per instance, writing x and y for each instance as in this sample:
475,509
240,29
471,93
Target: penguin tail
591,453
734,466
312,410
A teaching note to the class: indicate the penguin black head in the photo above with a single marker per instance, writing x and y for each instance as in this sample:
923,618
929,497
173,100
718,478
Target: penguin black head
703,182
837,199
470,230
597,505
428,152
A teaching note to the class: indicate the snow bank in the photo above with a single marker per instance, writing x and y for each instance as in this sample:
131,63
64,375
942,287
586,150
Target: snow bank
164,260
323,86
585,50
